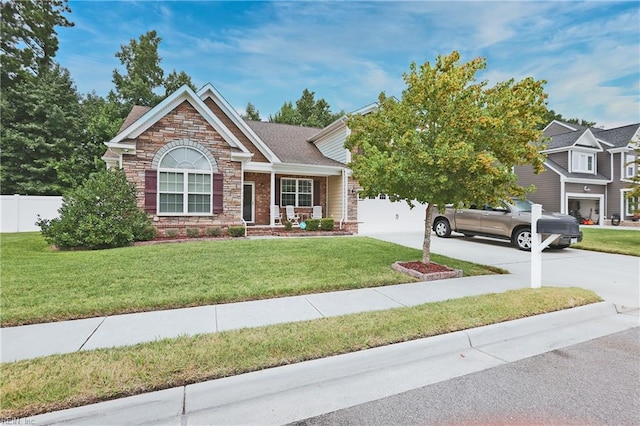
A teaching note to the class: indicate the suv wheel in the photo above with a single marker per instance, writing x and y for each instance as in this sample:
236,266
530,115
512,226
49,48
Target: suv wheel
442,228
523,239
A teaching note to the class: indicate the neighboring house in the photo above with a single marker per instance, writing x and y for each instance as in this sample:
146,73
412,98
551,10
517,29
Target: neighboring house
587,172
197,164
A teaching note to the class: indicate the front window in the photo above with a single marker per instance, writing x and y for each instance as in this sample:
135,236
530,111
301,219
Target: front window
583,162
296,192
633,206
630,166
184,182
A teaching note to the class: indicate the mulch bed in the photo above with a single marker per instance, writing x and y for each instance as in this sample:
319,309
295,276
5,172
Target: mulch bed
424,272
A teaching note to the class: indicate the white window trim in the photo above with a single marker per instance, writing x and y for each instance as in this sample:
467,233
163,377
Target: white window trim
578,154
297,193
627,157
185,183
627,203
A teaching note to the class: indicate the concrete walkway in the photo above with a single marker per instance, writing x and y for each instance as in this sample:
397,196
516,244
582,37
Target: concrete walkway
32,341
304,390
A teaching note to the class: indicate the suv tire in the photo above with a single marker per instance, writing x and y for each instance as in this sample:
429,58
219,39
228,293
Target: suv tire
523,239
442,228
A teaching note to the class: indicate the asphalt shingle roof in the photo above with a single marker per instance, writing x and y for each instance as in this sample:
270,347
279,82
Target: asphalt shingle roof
290,143
619,137
565,172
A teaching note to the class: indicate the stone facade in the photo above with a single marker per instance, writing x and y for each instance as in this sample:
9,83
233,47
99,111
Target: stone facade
184,126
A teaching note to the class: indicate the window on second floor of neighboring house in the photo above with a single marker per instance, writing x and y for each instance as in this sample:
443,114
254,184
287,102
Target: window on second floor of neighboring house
583,162
630,166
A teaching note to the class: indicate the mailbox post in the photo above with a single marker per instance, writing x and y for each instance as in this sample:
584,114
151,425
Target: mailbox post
538,227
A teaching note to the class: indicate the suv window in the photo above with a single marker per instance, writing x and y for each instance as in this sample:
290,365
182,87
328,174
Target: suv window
522,205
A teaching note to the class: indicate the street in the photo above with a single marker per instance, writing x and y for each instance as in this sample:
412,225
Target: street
592,383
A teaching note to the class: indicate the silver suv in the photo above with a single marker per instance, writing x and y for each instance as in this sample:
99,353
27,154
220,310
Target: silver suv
508,221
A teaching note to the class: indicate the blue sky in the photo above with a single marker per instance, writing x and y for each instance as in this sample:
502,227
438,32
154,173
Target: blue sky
266,53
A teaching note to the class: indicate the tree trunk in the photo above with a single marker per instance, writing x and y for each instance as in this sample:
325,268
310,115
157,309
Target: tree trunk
426,244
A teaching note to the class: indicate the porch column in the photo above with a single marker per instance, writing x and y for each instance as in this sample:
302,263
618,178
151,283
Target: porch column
272,197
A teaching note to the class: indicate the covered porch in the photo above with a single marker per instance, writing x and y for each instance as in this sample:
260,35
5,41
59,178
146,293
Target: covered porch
266,191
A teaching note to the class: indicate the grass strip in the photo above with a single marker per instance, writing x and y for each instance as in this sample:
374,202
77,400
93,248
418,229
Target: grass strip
61,381
41,285
610,240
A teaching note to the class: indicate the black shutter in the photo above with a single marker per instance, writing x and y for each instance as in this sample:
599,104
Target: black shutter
218,192
278,197
150,191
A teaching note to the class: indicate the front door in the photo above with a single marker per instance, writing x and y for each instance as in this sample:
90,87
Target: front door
248,196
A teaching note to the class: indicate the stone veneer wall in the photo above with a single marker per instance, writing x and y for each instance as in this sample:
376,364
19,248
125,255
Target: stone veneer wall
181,124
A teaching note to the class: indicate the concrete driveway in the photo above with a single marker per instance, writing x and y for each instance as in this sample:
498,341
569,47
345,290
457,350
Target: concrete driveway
615,278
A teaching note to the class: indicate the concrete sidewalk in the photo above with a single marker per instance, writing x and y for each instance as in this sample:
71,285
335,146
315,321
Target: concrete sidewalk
299,391
32,341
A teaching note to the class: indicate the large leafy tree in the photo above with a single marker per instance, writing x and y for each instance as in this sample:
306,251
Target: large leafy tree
307,112
143,72
144,77
176,80
28,39
449,139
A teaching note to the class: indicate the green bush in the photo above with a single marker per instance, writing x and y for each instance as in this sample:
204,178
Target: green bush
213,232
327,224
312,224
101,213
193,232
171,232
236,231
288,225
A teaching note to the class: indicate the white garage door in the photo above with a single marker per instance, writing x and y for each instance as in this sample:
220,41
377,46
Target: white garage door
378,215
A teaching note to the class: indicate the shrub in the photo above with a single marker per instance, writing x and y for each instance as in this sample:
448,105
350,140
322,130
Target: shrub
327,224
236,231
313,224
171,233
193,232
288,226
101,213
213,232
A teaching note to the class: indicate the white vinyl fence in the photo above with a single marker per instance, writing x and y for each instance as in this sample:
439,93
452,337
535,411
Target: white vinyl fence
18,213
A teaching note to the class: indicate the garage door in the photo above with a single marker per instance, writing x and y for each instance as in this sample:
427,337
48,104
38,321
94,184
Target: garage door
379,215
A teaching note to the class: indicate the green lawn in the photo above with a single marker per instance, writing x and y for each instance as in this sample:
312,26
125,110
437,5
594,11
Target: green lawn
610,240
41,285
61,381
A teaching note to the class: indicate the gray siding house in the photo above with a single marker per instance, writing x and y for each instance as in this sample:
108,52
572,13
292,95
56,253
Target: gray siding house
587,171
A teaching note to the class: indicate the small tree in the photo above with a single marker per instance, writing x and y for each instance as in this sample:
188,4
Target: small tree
102,213
449,139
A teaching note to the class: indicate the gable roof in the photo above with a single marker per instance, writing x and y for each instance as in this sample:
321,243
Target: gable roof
579,138
619,137
597,178
616,138
208,91
136,112
290,143
153,115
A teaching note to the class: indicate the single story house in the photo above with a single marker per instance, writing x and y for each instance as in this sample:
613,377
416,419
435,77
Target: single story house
587,171
196,163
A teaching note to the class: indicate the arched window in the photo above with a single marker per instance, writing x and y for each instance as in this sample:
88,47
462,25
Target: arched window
184,182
